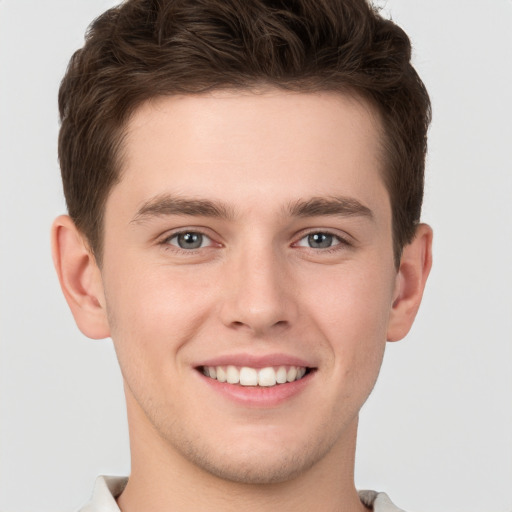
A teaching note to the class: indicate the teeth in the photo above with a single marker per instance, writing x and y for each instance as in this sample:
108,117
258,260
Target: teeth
232,375
246,376
291,375
267,377
281,375
221,374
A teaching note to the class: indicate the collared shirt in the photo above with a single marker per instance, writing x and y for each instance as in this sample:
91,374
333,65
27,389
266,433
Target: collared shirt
108,488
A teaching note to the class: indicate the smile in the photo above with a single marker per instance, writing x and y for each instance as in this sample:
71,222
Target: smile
261,377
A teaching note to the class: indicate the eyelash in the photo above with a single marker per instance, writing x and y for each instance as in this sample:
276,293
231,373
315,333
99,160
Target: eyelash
341,244
167,245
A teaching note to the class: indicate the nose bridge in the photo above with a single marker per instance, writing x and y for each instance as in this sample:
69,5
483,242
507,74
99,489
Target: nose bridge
257,295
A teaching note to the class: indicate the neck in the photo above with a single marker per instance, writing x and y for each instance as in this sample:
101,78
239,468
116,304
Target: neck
162,479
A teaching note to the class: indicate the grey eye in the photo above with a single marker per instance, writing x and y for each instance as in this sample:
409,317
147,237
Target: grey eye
320,240
189,240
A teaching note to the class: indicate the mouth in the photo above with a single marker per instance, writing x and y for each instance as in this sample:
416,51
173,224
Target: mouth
247,376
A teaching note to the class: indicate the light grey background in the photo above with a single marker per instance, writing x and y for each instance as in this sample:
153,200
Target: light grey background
436,433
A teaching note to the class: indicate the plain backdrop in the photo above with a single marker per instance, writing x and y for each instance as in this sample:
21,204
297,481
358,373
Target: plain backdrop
437,432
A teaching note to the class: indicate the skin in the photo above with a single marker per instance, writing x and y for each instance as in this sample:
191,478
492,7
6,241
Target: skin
256,287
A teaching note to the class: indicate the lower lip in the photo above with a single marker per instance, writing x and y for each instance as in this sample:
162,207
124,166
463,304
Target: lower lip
259,396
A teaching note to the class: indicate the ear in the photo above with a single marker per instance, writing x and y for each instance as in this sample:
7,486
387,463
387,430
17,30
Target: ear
415,265
80,278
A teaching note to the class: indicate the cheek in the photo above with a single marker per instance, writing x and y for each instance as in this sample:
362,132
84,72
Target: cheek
352,309
153,313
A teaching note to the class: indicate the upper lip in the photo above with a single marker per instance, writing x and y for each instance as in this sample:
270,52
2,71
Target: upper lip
255,361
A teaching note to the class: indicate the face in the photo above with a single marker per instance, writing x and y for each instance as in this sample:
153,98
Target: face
248,277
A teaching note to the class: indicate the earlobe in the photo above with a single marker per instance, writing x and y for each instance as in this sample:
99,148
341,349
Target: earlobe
412,275
80,278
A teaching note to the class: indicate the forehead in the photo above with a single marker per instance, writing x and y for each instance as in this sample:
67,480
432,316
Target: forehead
241,146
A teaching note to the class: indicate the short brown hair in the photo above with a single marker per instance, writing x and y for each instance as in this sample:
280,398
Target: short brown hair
148,48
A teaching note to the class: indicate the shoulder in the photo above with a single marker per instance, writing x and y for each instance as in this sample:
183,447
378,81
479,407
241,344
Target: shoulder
106,490
379,501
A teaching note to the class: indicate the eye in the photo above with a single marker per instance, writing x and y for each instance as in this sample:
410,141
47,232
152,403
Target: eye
189,240
319,240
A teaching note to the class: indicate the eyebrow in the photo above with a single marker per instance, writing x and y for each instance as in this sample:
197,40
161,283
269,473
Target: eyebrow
337,206
167,204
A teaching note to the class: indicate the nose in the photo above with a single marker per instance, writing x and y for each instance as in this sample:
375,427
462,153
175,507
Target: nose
260,296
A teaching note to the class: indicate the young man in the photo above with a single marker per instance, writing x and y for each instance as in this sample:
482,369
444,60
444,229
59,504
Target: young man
244,183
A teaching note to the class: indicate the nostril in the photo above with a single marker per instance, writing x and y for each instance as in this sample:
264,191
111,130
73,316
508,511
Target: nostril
259,327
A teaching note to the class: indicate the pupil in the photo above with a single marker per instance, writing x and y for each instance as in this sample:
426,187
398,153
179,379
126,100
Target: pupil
190,240
320,240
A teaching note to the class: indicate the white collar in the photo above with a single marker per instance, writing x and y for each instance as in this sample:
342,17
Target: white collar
108,488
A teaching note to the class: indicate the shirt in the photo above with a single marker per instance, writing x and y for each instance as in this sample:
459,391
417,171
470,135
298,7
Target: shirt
108,488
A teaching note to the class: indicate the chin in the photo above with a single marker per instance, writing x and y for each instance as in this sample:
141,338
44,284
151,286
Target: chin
257,463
